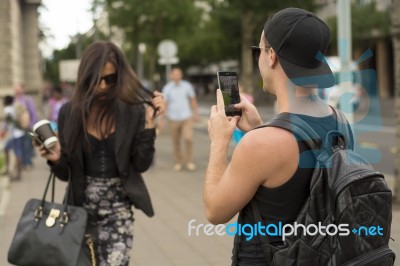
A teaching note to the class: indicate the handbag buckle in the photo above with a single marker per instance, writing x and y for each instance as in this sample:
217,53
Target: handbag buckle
38,213
53,215
64,219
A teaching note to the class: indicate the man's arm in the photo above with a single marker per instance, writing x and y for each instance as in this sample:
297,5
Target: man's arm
265,156
218,186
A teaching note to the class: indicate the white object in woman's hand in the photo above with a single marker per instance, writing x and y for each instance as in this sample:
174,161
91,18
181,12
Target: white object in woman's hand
55,152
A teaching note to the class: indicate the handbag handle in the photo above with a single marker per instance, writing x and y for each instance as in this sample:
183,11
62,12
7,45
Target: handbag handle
68,194
64,216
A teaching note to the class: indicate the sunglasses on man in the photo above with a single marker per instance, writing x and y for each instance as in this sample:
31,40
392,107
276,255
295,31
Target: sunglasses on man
256,52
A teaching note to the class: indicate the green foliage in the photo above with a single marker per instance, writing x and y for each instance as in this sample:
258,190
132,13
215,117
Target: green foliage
366,23
72,51
228,15
150,22
200,41
204,35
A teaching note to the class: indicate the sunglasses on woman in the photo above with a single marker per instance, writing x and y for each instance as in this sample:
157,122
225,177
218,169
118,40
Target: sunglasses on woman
109,79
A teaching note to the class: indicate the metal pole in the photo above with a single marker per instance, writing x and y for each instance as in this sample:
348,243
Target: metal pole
167,72
345,54
140,65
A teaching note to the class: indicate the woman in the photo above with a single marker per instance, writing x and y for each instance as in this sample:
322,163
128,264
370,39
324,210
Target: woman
107,134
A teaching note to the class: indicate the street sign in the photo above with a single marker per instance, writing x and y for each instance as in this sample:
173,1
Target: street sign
168,60
167,48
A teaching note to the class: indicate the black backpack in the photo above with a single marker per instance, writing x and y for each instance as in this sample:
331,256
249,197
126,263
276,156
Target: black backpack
344,189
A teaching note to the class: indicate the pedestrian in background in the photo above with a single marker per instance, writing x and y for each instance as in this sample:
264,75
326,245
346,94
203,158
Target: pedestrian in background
182,111
56,101
107,135
14,128
20,98
266,166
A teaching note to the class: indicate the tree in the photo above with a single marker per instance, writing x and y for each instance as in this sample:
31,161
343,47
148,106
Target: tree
224,30
150,22
251,16
377,24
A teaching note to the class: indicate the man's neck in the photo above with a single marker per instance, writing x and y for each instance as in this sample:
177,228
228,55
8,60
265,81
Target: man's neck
300,100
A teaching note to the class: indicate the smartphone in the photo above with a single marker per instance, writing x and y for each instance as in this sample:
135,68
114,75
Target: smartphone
38,141
228,83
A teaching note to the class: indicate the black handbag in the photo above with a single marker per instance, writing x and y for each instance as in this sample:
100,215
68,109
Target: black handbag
50,233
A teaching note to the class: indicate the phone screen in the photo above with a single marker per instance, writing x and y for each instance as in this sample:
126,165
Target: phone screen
228,83
38,141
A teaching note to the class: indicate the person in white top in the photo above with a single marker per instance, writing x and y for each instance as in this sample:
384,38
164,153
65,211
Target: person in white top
15,141
182,109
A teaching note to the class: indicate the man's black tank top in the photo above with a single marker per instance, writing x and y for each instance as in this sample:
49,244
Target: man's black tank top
283,203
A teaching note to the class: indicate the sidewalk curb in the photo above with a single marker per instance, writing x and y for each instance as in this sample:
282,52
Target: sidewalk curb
4,194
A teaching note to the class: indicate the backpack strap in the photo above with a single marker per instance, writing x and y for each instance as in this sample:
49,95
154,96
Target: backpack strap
265,244
303,132
344,127
298,127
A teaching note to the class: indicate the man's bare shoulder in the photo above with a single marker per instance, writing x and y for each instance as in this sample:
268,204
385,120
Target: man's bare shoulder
268,153
267,139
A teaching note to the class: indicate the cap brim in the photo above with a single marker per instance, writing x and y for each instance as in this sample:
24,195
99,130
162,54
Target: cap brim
318,77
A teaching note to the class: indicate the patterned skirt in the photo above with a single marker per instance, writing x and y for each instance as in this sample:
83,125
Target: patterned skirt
113,218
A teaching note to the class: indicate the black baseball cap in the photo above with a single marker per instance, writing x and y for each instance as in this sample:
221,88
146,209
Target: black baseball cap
300,39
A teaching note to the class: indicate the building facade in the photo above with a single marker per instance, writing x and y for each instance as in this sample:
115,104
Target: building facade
20,59
396,44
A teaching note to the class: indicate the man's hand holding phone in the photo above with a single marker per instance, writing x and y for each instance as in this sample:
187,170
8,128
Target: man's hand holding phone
228,84
250,117
220,127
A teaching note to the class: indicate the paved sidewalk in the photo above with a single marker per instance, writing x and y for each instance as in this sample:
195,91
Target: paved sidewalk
161,240
177,198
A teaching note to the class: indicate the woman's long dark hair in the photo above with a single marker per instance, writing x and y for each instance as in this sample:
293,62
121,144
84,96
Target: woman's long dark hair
85,96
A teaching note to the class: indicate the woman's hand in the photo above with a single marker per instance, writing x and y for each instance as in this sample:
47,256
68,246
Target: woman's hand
159,109
53,154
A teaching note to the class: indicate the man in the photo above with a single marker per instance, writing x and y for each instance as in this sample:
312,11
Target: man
182,109
268,165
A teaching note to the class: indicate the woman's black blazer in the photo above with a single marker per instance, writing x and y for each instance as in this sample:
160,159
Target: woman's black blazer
134,151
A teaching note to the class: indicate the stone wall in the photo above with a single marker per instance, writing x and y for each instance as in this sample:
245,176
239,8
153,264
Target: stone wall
5,45
32,59
19,46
